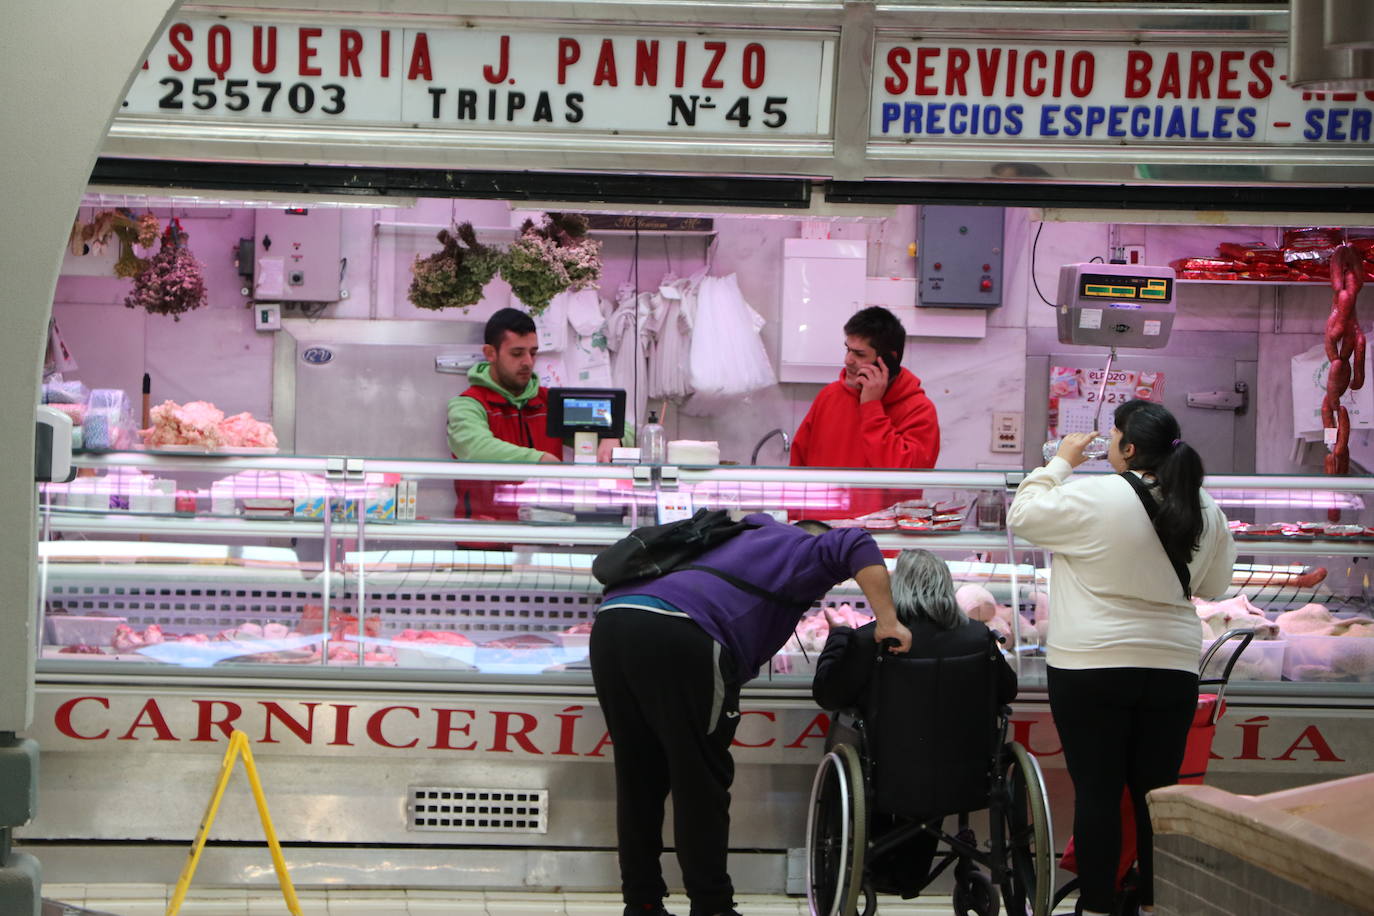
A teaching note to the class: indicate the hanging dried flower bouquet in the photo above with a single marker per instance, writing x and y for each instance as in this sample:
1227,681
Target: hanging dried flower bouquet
454,276
551,257
173,282
123,225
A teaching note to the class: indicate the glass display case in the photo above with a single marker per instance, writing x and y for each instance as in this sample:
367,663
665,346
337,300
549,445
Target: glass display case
238,562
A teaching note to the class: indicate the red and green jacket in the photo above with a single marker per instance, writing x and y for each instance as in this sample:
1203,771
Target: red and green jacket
488,423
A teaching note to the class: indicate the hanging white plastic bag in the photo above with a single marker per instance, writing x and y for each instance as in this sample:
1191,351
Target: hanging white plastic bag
728,358
552,324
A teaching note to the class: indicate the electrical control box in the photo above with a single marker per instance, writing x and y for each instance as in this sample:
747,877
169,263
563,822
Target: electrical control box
959,257
1115,305
297,255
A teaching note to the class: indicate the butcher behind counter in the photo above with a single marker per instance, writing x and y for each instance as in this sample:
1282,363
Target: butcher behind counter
502,415
875,415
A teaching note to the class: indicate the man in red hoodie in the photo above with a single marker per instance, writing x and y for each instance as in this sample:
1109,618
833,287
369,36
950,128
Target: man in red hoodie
876,415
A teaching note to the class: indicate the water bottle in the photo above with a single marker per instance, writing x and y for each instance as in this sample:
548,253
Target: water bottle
1097,448
653,441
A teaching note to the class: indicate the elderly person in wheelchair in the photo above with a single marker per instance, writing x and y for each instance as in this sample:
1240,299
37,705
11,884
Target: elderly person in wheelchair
915,738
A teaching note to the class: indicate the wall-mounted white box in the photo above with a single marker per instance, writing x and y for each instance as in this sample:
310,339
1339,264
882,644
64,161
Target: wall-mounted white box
823,283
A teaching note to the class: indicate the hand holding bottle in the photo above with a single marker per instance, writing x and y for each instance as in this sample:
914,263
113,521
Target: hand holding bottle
1076,448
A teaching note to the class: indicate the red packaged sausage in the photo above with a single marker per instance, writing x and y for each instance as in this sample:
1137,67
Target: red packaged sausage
1313,237
1208,275
1255,252
1315,261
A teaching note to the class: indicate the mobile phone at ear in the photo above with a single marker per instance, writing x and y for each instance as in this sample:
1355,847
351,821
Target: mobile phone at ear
893,363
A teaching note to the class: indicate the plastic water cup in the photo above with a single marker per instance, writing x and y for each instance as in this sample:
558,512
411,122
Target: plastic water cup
1097,448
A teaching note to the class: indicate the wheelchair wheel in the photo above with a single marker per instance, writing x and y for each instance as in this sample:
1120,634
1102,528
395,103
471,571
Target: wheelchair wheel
1029,838
836,834
870,900
974,895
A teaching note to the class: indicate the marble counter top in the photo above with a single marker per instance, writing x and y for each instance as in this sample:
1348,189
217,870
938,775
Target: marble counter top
1319,837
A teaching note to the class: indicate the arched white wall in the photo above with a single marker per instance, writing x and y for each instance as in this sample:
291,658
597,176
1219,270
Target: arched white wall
65,66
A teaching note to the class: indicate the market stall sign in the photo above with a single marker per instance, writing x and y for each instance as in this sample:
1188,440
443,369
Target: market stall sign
1117,94
676,83
103,721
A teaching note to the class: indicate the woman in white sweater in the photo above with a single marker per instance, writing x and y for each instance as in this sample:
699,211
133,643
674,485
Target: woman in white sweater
1123,648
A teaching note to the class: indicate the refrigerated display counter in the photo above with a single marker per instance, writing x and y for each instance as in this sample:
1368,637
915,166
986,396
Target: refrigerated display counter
417,694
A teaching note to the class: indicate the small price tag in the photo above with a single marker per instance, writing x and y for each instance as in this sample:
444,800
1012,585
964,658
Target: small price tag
1329,436
673,506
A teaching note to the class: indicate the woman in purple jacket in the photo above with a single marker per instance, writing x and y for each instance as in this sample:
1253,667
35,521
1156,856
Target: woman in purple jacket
668,657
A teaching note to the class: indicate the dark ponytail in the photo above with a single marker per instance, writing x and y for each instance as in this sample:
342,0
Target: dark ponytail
1177,470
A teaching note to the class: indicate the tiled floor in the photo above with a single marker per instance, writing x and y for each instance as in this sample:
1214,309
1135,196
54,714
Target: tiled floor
151,900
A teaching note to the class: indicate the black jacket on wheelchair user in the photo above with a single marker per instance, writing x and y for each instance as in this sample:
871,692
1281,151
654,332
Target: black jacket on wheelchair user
930,714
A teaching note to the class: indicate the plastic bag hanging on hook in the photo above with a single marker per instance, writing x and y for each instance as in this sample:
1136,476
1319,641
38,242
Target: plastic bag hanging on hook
728,359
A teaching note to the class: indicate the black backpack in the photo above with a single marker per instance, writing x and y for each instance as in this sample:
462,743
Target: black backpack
653,550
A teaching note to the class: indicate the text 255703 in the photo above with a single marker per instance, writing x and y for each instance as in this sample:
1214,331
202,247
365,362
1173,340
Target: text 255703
207,93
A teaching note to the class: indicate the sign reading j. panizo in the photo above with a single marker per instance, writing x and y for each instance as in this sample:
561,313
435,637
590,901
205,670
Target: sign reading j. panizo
677,82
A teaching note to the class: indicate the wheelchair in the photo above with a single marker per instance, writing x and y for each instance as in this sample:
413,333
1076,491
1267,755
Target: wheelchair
934,745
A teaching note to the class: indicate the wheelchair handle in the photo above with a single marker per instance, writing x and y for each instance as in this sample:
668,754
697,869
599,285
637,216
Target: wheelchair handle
887,644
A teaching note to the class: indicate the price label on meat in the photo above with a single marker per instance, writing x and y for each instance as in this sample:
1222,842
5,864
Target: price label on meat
696,83
1105,93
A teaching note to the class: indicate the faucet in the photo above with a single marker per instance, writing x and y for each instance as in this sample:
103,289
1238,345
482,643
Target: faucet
786,443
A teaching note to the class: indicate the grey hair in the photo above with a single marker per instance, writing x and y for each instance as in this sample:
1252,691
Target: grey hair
923,589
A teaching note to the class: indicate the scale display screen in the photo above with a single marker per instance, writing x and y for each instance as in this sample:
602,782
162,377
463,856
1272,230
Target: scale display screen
1109,286
587,412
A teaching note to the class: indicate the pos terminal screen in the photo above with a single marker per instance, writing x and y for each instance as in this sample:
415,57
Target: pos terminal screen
587,412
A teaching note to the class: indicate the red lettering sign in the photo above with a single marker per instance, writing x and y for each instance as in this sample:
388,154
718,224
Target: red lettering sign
444,727
62,719
771,717
207,720
350,49
818,727
504,732
420,67
374,726
264,55
302,730
150,716
178,35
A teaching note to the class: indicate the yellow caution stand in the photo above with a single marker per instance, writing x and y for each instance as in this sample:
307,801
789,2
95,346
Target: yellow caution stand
238,746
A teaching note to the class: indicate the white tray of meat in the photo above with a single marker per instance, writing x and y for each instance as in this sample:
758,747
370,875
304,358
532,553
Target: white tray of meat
201,427
1262,660
577,636
434,649
65,630
525,653
1329,658
241,645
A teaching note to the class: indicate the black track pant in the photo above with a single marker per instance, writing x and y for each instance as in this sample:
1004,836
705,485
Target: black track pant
1118,727
671,702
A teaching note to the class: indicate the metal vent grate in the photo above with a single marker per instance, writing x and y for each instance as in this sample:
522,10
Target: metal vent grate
448,809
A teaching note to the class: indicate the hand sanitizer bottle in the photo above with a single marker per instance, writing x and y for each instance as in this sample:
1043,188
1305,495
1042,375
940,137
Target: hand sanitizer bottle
653,441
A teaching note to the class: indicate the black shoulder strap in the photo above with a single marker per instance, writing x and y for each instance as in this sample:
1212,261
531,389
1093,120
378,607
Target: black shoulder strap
751,588
1148,501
